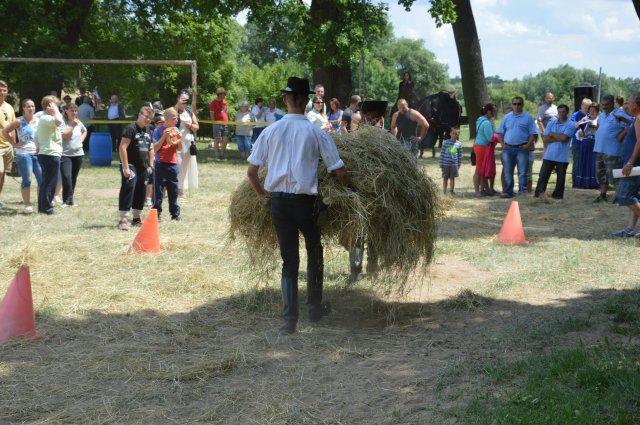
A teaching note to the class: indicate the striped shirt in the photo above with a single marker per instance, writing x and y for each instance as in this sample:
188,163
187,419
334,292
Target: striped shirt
451,153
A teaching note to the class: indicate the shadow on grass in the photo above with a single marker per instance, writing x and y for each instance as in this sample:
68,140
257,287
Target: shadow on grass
138,359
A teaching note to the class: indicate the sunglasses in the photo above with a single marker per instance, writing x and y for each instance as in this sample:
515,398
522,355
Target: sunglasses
318,103
517,104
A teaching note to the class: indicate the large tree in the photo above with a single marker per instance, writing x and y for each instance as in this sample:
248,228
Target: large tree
460,15
471,66
327,35
119,29
37,29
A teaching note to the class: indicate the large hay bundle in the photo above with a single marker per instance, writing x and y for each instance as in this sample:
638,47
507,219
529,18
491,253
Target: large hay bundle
390,201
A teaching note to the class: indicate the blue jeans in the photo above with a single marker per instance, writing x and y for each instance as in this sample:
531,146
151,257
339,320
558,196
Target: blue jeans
244,143
50,169
512,156
27,165
166,176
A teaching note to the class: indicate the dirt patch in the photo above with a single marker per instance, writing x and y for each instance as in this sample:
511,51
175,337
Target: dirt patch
419,364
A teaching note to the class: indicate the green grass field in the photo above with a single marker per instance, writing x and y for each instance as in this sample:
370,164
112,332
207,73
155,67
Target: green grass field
544,333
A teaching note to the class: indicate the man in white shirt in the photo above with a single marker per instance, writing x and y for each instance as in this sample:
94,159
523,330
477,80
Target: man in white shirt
318,90
115,112
547,112
291,148
258,111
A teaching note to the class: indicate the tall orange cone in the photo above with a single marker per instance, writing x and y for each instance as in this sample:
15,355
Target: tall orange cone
148,240
17,318
512,232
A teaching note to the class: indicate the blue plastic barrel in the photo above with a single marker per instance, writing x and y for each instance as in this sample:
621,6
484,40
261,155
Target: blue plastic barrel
100,149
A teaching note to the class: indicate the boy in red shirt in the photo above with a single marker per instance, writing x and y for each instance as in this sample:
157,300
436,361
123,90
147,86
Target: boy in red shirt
166,172
218,112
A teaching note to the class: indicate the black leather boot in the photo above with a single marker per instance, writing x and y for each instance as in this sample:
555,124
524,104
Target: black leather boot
316,307
290,301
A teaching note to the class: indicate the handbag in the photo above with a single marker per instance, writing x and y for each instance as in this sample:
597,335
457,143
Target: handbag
14,171
473,157
193,149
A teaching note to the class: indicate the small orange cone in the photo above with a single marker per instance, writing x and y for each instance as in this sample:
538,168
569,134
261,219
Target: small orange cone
17,318
512,232
148,240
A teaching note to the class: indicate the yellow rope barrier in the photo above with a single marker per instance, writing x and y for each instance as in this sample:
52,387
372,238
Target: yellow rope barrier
199,122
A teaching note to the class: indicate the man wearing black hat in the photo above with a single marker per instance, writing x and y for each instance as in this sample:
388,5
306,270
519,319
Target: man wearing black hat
291,148
372,112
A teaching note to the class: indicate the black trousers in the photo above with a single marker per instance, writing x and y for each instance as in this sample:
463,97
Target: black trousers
292,214
69,169
116,134
50,166
133,190
545,172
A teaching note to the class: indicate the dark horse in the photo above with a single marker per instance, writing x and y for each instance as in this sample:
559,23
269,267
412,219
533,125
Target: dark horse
443,112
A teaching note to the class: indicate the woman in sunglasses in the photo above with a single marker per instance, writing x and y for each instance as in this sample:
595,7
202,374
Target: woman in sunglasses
316,116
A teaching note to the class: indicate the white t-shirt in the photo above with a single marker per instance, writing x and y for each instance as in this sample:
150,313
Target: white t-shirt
244,130
317,119
73,145
257,110
271,116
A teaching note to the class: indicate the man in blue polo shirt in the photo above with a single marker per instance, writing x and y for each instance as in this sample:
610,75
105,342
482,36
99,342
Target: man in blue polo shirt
608,146
628,192
557,135
517,133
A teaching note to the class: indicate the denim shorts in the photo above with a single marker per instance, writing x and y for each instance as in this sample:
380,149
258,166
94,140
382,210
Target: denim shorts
244,143
628,192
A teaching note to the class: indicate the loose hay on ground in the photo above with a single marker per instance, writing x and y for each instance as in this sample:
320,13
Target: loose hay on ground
390,202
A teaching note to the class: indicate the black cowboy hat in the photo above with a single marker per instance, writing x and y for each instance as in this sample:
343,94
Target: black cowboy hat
379,106
297,85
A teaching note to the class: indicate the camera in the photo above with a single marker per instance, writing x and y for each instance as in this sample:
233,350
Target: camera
187,102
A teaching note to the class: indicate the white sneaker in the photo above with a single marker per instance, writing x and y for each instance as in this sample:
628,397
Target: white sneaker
64,206
148,202
28,209
56,200
2,204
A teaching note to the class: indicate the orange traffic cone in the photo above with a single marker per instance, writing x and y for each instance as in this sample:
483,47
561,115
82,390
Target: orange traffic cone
17,318
512,232
148,240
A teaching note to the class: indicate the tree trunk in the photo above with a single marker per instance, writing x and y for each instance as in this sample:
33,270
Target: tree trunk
336,81
473,84
636,4
335,78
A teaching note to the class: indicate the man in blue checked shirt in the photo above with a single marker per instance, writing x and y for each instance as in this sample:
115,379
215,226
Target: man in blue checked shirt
557,135
517,133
